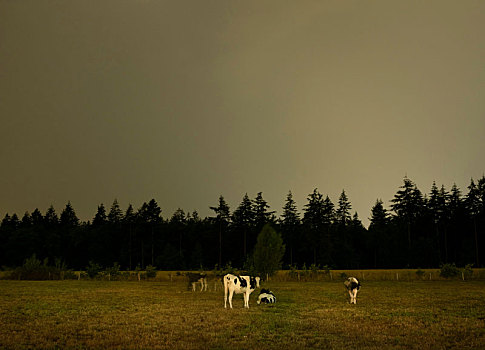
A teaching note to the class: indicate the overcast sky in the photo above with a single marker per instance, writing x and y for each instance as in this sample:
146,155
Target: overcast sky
184,101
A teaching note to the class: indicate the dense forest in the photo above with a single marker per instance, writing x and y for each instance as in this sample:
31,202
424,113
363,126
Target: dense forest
418,231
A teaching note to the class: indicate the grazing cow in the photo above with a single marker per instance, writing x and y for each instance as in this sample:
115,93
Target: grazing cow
195,278
266,297
239,285
353,286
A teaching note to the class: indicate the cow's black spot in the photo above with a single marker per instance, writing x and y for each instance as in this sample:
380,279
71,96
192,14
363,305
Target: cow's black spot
252,282
235,281
263,291
354,285
265,300
243,282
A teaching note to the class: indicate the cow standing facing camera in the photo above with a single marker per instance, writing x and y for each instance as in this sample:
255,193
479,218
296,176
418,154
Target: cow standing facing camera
353,286
239,285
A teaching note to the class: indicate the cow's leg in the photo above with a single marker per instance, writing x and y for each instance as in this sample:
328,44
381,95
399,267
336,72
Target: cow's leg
355,296
231,292
225,294
350,294
193,286
246,300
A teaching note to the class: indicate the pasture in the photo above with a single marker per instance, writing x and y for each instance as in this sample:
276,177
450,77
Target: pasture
165,315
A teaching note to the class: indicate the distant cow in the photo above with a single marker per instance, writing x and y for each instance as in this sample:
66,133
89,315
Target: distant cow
239,285
266,297
194,278
353,286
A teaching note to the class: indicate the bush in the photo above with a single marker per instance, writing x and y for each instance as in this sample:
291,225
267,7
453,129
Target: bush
468,271
113,271
151,272
449,271
93,269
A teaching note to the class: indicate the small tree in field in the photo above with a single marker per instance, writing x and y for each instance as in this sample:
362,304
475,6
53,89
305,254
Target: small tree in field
268,251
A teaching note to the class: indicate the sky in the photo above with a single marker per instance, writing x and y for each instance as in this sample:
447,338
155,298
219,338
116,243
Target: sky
184,101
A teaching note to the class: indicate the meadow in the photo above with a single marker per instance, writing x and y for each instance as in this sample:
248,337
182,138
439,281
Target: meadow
75,314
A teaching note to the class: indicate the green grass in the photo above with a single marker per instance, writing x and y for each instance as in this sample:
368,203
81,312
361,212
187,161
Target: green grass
102,314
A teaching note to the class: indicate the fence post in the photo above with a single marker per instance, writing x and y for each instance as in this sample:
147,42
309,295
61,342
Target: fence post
397,276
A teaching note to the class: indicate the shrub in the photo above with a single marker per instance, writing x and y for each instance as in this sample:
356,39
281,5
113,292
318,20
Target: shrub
93,269
113,271
420,273
468,271
151,272
449,270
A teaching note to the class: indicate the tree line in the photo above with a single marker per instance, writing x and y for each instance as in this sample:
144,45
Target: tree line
417,231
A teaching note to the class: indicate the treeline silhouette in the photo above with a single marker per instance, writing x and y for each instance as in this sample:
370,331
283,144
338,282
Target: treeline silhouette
419,231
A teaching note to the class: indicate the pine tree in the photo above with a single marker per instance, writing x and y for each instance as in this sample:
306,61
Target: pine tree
115,215
100,217
343,211
474,207
290,224
222,218
243,220
268,251
261,214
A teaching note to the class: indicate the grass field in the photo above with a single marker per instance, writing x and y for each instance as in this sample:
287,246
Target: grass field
102,314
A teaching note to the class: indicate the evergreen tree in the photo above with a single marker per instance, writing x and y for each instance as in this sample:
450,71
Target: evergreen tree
342,213
408,204
243,220
68,216
100,217
314,224
290,225
474,207
178,224
222,218
129,221
377,233
268,251
115,215
261,214
50,218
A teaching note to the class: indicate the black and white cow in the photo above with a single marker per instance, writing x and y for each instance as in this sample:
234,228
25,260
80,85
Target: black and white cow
266,297
353,286
194,278
239,285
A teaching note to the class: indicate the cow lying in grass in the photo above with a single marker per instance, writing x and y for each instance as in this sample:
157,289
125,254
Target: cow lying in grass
266,297
239,285
194,278
353,286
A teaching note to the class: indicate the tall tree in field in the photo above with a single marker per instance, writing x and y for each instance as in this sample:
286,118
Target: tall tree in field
342,214
261,214
100,217
377,233
69,224
178,224
130,221
268,251
222,218
408,204
153,217
115,215
243,221
313,221
474,206
290,224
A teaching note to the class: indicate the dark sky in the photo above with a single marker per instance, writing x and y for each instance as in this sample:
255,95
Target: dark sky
183,101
